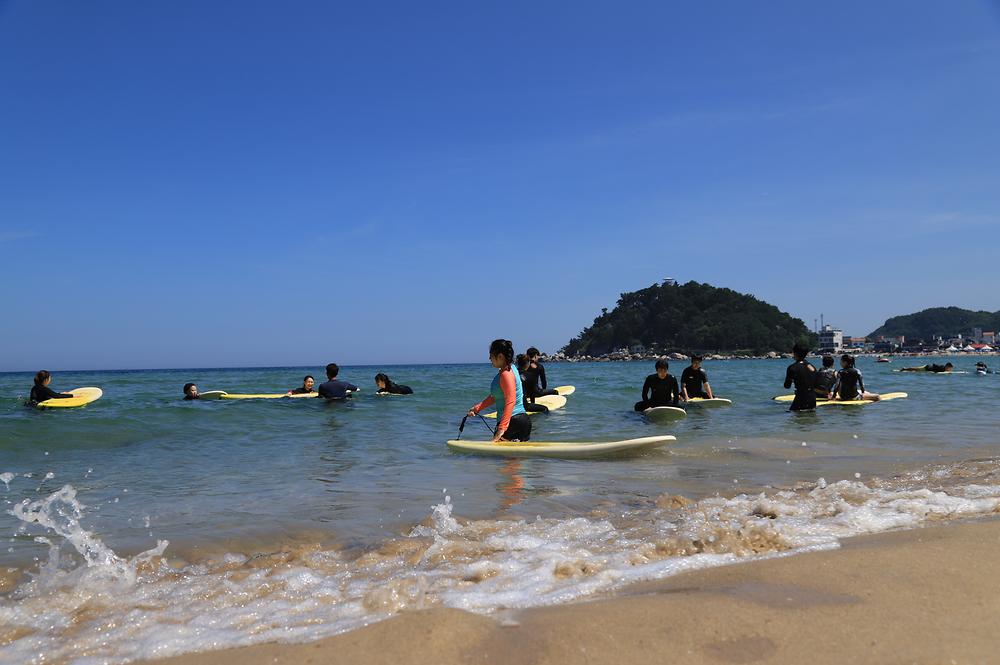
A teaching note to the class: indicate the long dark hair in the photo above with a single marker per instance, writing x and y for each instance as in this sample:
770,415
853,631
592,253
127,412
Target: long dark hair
384,378
503,347
42,376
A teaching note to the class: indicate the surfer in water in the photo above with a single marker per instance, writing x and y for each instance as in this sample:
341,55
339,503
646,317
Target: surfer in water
41,391
694,381
659,389
534,381
937,369
850,384
191,392
523,363
308,383
508,395
826,379
386,385
802,374
334,388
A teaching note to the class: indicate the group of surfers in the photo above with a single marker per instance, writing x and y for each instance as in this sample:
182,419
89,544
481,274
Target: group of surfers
333,389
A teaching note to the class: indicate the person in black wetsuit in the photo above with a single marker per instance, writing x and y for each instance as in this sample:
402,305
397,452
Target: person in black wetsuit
850,384
387,385
334,388
802,374
826,379
308,386
191,392
694,381
533,383
523,365
659,389
41,391
937,369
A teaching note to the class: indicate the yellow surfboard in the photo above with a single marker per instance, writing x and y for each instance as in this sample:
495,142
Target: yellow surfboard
885,397
704,401
566,391
553,402
80,396
561,449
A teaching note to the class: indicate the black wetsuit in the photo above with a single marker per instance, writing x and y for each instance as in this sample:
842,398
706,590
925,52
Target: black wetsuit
188,398
658,392
529,403
336,389
803,375
301,391
937,369
693,381
40,393
396,389
533,382
850,385
826,379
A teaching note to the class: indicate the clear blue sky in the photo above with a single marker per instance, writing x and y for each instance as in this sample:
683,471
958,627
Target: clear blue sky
197,183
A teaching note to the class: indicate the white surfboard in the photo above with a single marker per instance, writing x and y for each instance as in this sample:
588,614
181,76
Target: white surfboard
561,449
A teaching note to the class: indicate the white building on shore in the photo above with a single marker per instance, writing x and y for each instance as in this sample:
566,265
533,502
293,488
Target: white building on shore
831,340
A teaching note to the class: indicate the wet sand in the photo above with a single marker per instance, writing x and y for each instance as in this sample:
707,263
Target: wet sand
929,595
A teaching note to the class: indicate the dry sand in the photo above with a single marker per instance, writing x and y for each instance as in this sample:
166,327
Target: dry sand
926,596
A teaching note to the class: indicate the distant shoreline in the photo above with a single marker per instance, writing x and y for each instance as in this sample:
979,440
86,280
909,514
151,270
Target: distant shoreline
620,356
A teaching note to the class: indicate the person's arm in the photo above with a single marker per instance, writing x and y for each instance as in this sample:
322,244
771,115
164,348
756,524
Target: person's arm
509,388
482,405
646,389
541,376
48,393
674,390
861,382
353,388
405,390
684,388
706,387
836,387
788,377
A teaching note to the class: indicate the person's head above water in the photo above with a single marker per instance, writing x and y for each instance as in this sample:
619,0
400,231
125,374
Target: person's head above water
42,378
501,353
308,382
696,361
661,367
382,381
190,390
800,351
846,360
948,365
827,361
532,353
332,371
522,361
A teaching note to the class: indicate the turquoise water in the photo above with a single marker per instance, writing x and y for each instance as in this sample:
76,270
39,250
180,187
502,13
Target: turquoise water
226,473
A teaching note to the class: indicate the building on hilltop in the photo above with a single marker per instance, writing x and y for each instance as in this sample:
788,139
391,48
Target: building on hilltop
831,340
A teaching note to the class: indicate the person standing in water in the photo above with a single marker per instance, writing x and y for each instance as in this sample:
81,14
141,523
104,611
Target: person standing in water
386,385
826,379
308,383
694,381
506,392
802,374
850,384
535,383
41,391
334,388
659,389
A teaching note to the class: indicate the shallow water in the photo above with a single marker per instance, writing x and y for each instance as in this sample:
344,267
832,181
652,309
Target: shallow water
290,519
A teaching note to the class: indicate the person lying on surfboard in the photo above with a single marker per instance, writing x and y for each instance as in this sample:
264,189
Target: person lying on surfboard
826,379
937,369
694,381
523,364
850,384
387,385
308,382
191,392
506,392
803,375
41,391
659,389
334,388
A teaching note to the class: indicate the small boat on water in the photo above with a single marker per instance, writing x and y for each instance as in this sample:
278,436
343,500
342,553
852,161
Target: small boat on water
883,360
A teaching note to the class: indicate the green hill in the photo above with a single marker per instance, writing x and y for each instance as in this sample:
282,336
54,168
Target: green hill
937,321
689,318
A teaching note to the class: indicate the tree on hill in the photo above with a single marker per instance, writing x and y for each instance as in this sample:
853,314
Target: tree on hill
691,317
937,321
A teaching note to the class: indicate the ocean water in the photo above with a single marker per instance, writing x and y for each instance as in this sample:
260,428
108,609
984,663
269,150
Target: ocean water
142,525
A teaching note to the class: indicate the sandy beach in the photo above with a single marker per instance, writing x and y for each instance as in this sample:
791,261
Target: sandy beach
921,596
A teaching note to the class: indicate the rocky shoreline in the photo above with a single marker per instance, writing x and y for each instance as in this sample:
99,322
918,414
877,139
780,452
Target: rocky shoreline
626,356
